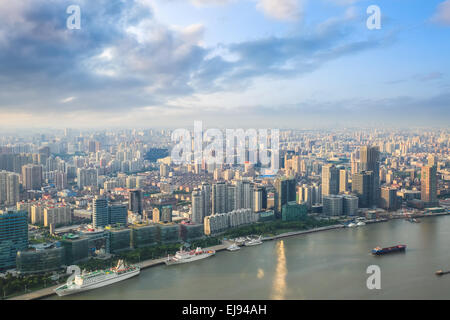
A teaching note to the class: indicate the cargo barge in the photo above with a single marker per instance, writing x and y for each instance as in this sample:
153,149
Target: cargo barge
380,251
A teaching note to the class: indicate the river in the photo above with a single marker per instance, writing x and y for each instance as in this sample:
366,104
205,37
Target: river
324,265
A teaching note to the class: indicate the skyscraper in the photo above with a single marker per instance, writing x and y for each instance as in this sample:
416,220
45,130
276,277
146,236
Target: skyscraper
343,181
206,193
388,199
363,187
219,197
258,199
9,188
244,195
305,195
285,192
429,185
32,177
100,212
197,207
333,205
370,161
87,177
330,180
135,202
117,213
13,236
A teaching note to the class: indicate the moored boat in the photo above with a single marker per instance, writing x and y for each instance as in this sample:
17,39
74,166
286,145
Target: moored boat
253,242
183,256
97,279
233,247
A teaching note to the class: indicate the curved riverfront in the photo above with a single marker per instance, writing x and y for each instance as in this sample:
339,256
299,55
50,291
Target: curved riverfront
324,265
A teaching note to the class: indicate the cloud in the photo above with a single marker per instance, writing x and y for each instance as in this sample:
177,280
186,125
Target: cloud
442,15
286,10
202,3
67,100
429,76
123,58
343,2
290,10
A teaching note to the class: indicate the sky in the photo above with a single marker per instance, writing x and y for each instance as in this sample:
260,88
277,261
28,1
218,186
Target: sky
228,63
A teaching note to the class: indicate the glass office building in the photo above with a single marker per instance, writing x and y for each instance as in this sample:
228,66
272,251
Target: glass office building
13,236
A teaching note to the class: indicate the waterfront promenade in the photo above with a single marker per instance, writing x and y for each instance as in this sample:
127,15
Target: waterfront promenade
42,293
296,233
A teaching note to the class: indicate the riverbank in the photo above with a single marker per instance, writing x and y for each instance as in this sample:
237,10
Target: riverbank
160,261
296,233
155,262
46,292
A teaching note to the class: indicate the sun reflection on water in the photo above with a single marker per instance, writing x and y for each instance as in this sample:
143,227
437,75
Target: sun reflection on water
279,281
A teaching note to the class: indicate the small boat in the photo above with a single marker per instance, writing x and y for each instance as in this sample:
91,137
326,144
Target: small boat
233,247
239,241
361,223
253,242
351,225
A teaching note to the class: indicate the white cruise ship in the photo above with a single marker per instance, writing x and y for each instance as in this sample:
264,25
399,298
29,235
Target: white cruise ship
97,279
183,256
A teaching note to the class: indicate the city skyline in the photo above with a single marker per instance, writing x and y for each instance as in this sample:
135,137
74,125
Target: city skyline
278,64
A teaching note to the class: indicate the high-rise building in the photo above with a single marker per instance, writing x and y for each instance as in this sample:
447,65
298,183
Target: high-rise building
305,195
285,192
333,205
231,198
87,177
206,194
9,188
117,214
388,199
258,195
100,212
370,161
219,197
13,236
163,170
429,185
431,160
244,194
363,186
197,207
32,177
343,181
61,180
350,205
330,180
135,202
57,215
